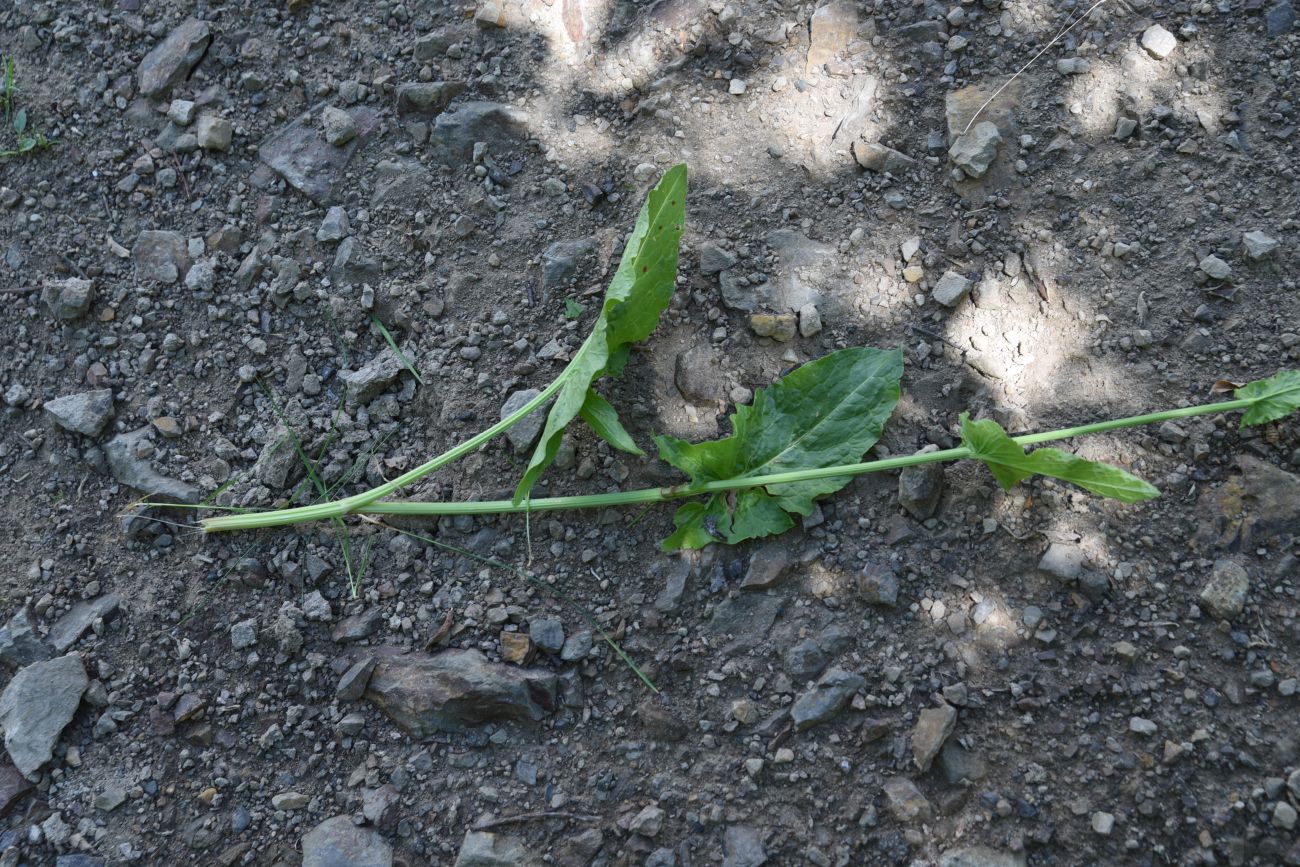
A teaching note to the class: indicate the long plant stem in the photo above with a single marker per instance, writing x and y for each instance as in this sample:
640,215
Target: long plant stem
369,502
353,504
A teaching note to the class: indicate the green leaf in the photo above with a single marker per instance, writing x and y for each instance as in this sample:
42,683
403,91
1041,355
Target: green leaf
26,144
572,309
1275,397
641,289
826,413
603,419
1009,463
20,120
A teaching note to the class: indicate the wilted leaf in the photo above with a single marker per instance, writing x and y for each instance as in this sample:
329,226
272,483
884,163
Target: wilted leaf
1009,463
1225,386
641,289
1273,398
826,413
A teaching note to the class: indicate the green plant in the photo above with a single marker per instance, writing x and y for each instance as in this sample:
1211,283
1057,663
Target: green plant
28,139
797,441
638,293
572,309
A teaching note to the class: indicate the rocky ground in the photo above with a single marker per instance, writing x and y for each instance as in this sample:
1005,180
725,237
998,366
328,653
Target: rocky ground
928,671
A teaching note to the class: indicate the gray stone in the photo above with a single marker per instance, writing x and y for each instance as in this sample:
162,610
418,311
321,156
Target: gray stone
453,690
38,703
675,573
742,846
338,126
1062,561
810,320
68,298
243,634
1280,19
160,256
126,465
335,225
426,97
380,805
769,564
306,161
20,644
648,822
201,277
524,435
84,413
957,763
547,634
876,157
904,800
807,267
805,660
1215,268
352,685
919,490
1224,595
277,459
832,27
1073,65
934,726
576,647
698,375
454,133
485,849
975,151
81,617
560,262
1258,245
214,133
79,859
400,181
745,618
981,856
358,627
374,377
338,842
353,264
824,701
714,259
878,585
1158,42
170,61
951,289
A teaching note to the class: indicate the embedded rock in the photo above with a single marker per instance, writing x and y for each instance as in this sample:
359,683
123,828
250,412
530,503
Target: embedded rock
170,61
454,690
338,842
84,413
36,706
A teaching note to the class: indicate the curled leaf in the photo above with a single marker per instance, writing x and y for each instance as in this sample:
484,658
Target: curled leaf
1010,463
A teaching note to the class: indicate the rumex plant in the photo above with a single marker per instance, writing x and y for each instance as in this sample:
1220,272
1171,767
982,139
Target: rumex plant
800,439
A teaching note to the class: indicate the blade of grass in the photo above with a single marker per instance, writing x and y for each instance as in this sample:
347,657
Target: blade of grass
393,345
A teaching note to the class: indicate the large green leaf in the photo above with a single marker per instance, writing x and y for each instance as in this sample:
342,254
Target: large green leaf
601,417
1009,463
826,413
1275,397
641,289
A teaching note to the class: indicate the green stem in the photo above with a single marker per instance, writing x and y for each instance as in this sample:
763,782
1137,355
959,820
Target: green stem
653,495
349,505
365,504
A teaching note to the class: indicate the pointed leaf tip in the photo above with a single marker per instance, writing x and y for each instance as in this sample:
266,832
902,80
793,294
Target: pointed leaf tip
1009,464
1274,398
